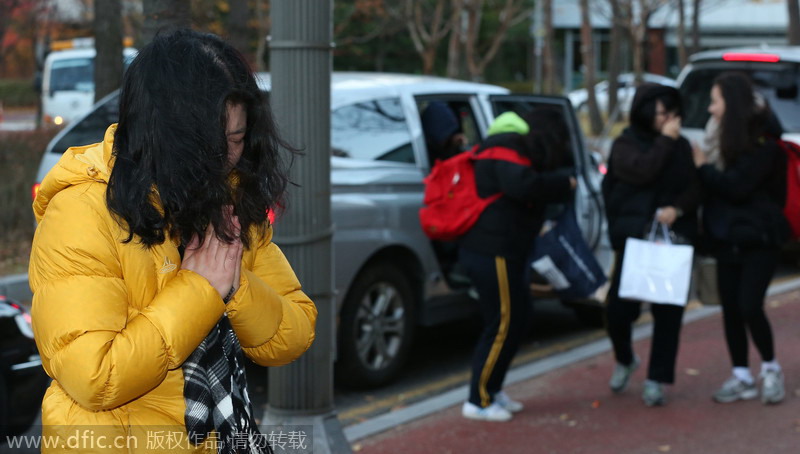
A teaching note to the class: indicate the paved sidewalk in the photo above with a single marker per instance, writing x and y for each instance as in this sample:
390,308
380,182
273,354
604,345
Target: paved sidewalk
571,410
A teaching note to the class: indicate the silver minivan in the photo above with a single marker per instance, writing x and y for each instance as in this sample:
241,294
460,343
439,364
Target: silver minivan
388,276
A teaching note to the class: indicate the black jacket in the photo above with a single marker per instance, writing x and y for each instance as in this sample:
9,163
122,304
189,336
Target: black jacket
509,225
647,172
745,201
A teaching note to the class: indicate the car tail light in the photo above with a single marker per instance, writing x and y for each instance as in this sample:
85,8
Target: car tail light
602,169
35,190
741,56
25,324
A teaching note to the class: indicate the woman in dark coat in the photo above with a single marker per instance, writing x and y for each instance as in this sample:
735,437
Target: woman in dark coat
744,219
651,176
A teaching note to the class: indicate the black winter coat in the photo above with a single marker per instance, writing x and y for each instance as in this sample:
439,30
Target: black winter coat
509,225
644,174
745,200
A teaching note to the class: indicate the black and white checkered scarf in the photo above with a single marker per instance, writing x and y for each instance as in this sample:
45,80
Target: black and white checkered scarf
216,397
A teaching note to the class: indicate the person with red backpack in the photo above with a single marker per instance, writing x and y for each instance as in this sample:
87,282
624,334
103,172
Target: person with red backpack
743,216
493,251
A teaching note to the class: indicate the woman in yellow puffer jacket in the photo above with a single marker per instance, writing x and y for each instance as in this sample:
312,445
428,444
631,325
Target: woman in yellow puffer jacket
153,249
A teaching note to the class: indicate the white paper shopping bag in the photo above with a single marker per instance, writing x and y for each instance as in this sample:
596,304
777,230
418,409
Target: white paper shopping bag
657,272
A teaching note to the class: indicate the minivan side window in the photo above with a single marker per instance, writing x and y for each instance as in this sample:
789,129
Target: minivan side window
467,123
374,130
92,128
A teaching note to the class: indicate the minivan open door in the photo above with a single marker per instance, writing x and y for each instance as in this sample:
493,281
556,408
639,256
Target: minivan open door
589,206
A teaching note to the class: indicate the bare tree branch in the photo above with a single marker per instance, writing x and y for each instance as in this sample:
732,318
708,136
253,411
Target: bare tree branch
682,55
107,27
618,33
455,45
426,30
478,57
794,22
587,55
412,28
548,55
345,21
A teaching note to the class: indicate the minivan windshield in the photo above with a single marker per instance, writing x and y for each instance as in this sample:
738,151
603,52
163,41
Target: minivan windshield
777,82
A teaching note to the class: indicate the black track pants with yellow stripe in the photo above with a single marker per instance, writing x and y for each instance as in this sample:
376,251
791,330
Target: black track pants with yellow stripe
502,285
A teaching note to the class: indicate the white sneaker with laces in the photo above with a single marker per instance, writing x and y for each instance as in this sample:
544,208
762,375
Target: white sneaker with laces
493,413
772,390
734,389
506,402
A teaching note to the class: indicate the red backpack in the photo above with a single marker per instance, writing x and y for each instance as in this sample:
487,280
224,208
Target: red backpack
792,208
451,204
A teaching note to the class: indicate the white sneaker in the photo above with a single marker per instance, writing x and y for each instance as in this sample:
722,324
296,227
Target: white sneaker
494,412
734,389
772,391
506,402
622,375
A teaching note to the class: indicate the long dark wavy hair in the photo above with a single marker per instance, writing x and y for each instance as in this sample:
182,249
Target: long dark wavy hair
743,123
547,143
643,108
171,172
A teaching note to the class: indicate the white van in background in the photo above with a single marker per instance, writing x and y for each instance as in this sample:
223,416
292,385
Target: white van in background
68,81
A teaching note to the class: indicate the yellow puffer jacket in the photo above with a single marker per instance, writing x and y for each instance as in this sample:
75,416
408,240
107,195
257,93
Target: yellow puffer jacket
114,321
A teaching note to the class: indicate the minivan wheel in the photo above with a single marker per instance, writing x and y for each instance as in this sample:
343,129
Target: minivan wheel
376,327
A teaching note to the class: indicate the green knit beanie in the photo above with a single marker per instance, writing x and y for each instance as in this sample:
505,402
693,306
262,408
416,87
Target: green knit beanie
508,122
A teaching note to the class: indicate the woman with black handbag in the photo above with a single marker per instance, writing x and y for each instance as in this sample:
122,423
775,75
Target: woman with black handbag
651,176
744,219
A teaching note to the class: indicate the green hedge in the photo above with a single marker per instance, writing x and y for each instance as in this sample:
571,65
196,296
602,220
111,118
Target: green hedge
18,93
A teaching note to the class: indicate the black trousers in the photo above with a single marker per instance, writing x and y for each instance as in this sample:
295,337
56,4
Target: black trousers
743,277
667,321
503,290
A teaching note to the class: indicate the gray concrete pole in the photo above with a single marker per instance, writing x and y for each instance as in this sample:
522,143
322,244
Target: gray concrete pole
301,394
